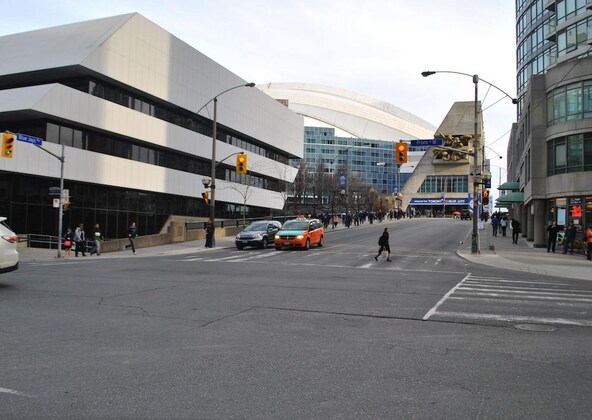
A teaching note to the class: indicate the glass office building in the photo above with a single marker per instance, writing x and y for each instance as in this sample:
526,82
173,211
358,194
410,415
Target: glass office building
550,148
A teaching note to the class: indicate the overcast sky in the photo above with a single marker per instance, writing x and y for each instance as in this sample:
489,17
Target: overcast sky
375,47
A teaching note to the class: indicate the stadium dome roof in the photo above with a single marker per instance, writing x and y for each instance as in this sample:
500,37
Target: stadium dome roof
356,114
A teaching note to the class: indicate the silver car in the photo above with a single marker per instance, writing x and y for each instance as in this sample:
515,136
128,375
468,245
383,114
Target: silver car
9,257
260,234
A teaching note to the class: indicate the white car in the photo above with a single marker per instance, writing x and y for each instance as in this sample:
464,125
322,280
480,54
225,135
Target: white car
9,257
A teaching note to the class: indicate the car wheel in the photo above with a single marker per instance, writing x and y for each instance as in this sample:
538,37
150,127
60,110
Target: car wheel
240,246
307,244
264,243
320,244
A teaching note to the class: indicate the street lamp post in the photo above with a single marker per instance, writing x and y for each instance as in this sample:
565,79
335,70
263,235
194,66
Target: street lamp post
475,234
213,162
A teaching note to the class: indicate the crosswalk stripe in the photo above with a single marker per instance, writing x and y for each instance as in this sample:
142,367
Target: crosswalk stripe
501,292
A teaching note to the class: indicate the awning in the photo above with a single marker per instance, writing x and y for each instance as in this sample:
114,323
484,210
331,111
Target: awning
513,197
509,186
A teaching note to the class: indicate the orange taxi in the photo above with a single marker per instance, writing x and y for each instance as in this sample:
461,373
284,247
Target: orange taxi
300,233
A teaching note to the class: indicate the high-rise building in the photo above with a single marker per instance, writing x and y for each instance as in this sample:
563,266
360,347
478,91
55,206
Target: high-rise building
550,148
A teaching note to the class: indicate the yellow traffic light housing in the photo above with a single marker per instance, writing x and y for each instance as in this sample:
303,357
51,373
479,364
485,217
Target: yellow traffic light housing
401,153
8,145
241,163
206,197
485,197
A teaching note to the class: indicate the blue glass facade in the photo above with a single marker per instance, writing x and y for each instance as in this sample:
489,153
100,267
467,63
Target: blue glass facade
374,160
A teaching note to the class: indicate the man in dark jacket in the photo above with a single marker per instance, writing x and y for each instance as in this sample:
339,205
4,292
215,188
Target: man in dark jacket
552,230
570,237
383,242
515,230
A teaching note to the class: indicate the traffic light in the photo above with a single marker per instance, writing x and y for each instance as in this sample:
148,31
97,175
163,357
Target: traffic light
241,163
485,197
401,153
8,145
206,197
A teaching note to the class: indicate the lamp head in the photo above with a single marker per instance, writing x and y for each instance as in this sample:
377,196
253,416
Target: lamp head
250,84
427,73
206,182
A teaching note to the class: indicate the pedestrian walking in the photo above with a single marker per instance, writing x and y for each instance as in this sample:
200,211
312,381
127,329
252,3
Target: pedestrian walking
589,242
209,234
80,240
570,238
504,225
383,242
494,224
552,230
68,242
97,238
516,230
132,234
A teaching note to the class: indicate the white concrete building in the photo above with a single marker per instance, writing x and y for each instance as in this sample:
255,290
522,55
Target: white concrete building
122,94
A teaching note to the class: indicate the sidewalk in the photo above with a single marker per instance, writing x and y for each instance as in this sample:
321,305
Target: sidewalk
524,257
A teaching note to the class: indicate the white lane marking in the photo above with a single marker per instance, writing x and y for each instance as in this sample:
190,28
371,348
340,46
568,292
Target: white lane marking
533,292
11,391
366,265
438,261
441,301
513,296
516,318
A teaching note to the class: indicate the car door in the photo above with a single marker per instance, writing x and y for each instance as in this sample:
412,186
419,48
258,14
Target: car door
272,229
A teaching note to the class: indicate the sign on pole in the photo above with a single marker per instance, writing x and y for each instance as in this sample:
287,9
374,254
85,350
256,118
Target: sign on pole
29,139
427,142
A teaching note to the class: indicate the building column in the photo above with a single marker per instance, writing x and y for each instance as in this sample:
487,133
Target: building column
529,231
539,223
524,217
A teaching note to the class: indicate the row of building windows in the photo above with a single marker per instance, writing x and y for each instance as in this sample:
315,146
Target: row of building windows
178,117
448,184
126,149
570,38
566,9
529,16
569,102
569,154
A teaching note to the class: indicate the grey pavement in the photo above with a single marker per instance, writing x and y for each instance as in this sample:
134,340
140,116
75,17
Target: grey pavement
494,251
499,251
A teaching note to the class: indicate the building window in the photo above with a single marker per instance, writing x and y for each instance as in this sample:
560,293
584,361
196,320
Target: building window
569,154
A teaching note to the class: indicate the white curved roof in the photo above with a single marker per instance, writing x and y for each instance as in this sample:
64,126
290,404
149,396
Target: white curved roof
359,115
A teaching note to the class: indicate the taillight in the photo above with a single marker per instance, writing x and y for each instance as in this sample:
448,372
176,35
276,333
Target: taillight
10,238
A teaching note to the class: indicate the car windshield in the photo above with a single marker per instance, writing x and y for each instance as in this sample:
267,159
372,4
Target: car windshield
296,225
256,226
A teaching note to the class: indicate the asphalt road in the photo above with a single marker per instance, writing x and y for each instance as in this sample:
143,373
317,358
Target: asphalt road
324,333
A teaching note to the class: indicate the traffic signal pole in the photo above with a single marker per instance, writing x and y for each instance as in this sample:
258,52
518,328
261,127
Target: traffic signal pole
62,159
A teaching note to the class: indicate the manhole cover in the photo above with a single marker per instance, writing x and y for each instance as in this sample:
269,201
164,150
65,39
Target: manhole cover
535,327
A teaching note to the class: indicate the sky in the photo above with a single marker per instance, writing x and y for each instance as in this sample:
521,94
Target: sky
374,47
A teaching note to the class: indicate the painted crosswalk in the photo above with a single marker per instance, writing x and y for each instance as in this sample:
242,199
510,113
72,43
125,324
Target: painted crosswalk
480,298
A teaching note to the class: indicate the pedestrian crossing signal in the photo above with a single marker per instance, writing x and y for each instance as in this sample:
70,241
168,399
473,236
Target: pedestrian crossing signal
8,145
206,197
401,153
485,197
241,163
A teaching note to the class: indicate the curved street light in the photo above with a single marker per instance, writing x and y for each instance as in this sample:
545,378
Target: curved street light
475,249
213,162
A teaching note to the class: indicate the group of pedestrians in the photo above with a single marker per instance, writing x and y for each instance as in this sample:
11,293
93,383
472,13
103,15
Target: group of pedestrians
501,224
77,240
569,238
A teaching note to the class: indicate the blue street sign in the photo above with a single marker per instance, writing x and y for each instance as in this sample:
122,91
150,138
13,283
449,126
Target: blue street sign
29,139
427,142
